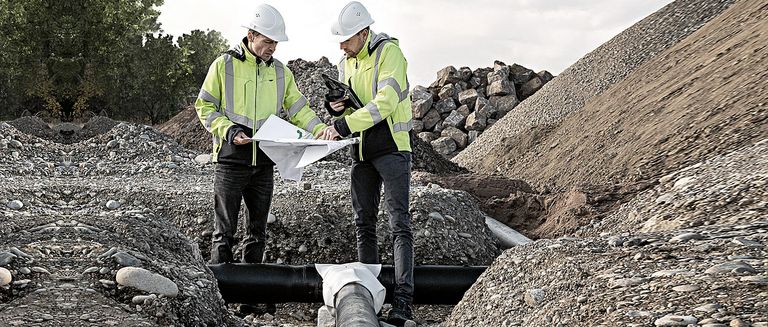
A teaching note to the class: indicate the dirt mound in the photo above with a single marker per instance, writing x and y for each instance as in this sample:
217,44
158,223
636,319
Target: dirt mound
703,97
186,129
714,274
510,145
33,125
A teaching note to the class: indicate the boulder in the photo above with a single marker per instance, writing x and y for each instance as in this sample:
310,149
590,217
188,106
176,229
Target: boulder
530,87
468,97
545,76
484,105
447,92
456,118
475,121
420,107
418,126
500,87
504,104
445,106
445,76
465,74
519,74
444,145
431,119
427,136
456,135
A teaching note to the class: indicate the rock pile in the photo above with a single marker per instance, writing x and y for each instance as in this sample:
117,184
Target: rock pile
462,103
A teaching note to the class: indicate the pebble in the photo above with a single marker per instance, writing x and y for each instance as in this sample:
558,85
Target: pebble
143,299
24,270
302,248
685,237
626,282
6,258
436,216
126,260
755,280
271,218
147,281
670,273
672,320
709,308
686,288
534,297
733,266
112,204
15,205
738,323
90,270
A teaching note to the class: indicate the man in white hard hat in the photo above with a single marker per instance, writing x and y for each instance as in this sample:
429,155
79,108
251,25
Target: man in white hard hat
375,68
243,88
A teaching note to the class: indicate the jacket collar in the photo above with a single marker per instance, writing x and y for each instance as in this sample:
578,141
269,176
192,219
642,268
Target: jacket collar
249,56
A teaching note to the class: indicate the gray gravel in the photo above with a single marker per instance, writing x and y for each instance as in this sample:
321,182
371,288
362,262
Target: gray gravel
728,189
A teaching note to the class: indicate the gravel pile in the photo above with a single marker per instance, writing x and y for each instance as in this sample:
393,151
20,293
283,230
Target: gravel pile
729,189
709,276
588,77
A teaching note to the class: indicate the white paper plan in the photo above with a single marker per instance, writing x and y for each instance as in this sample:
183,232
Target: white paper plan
292,148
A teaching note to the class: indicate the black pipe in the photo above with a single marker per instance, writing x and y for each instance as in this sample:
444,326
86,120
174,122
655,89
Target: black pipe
271,283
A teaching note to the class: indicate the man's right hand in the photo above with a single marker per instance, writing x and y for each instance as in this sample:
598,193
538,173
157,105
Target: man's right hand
241,138
337,106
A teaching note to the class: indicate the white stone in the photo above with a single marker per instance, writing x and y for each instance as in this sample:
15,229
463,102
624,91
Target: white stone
683,183
15,205
147,281
5,276
203,159
112,204
326,317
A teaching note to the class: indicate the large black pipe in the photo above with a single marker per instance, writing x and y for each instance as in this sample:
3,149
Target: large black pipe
270,283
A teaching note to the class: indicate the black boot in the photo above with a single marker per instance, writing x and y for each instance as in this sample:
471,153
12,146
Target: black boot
400,313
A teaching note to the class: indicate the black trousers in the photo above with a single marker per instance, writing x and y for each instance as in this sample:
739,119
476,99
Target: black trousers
233,184
394,172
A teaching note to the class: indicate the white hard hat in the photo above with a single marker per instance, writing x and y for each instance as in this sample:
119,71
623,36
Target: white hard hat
267,21
352,19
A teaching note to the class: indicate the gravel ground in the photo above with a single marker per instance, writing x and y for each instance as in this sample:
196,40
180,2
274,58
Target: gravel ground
136,192
729,189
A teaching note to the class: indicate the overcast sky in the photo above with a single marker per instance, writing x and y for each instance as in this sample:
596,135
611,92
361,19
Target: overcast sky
538,34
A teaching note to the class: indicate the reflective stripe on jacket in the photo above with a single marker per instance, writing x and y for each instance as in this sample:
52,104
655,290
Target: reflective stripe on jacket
241,91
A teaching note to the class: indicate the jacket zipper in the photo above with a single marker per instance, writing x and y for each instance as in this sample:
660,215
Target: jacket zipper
253,128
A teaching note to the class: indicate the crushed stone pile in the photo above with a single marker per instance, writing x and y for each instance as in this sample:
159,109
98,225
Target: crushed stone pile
710,275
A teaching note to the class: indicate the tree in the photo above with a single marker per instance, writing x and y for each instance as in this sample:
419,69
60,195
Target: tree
201,49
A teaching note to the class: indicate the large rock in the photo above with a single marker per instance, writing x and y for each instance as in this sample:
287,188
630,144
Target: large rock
418,126
465,74
456,118
468,97
456,135
476,121
484,105
482,74
500,87
530,87
448,91
427,136
504,104
420,93
421,107
519,74
147,281
445,76
444,145
545,76
431,119
445,106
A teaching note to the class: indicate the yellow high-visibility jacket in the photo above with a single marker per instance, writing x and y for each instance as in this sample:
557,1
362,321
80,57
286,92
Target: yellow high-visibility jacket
239,93
378,75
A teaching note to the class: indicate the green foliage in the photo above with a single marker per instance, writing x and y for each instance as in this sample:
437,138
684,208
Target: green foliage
69,57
